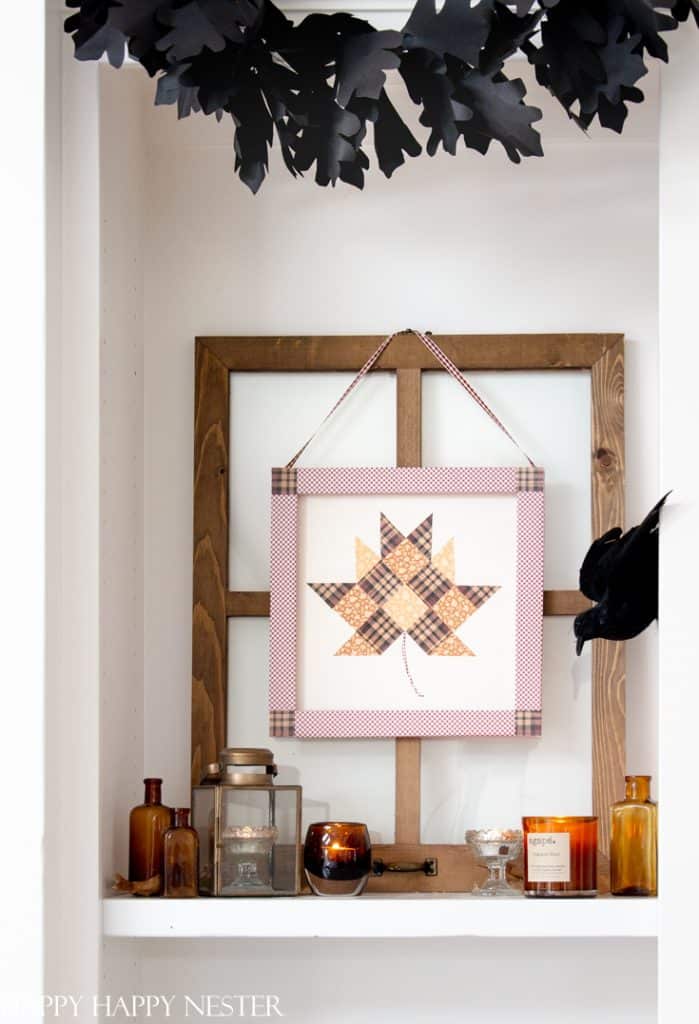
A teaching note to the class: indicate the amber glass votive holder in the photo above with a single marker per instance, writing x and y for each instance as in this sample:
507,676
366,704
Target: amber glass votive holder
337,858
560,857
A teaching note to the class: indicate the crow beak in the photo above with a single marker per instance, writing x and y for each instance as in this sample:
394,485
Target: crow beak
580,643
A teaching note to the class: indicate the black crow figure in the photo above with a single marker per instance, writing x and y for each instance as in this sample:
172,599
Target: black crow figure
620,573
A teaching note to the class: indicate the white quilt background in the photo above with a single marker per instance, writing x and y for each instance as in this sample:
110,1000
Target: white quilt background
484,528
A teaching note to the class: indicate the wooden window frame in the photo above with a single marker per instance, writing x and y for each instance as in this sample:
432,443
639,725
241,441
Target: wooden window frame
213,603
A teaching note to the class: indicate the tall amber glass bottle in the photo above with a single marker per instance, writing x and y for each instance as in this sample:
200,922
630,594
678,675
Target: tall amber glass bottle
634,838
147,826
181,858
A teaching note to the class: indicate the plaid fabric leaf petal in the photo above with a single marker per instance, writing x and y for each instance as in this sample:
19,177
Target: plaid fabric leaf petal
478,595
390,536
429,632
380,631
430,584
331,592
421,537
379,583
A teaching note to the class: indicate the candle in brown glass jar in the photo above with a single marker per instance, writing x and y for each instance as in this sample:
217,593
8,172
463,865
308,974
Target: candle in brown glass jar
560,856
337,858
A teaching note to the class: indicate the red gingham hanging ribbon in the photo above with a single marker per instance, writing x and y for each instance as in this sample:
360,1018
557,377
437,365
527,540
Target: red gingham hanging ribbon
442,358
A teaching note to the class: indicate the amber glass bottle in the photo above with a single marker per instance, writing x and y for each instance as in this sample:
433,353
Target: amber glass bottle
634,836
181,858
147,826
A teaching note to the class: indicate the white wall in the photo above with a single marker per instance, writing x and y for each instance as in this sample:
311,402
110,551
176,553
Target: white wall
412,981
297,258
679,561
572,240
122,184
22,429
72,744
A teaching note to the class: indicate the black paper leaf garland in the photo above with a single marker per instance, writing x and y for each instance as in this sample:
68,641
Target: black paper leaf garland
319,85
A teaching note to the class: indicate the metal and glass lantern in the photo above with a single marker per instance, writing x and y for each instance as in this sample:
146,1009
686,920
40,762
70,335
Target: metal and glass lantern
249,828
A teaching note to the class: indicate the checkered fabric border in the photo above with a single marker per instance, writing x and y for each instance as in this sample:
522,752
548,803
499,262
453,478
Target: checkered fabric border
282,723
429,631
407,480
283,602
530,479
284,481
378,722
530,588
527,723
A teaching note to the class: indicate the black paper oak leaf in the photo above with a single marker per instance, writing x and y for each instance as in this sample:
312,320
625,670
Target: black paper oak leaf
430,86
317,85
169,89
327,138
508,32
362,63
568,61
641,18
499,114
206,23
93,35
138,20
681,10
458,28
620,573
253,136
392,137
623,66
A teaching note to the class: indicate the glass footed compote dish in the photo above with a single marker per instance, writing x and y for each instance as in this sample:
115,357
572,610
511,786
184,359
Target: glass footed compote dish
495,848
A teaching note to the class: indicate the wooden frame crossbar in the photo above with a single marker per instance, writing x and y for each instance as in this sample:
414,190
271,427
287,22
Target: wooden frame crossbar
214,603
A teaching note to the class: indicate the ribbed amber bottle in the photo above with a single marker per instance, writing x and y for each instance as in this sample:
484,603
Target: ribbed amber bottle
634,841
147,825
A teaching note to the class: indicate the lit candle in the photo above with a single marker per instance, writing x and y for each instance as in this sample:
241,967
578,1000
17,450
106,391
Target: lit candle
337,857
341,854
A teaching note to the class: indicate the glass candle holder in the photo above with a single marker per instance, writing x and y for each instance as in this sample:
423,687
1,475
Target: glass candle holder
495,847
246,861
560,856
337,858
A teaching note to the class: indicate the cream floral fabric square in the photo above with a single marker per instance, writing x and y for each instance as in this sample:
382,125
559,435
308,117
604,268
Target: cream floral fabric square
405,607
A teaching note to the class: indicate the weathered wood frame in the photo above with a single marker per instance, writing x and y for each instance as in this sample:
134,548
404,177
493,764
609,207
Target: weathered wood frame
213,602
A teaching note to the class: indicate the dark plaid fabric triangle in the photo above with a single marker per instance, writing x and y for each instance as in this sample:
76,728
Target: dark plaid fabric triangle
478,595
390,536
331,592
421,537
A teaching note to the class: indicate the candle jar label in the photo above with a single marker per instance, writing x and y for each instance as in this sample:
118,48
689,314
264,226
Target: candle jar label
548,857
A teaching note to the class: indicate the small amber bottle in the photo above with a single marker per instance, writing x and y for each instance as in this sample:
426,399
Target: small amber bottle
147,825
634,838
181,858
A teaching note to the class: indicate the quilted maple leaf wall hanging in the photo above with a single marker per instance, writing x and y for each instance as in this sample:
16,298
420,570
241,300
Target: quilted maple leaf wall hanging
407,601
320,84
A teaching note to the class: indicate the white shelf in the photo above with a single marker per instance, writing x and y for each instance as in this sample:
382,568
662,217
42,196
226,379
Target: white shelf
370,916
